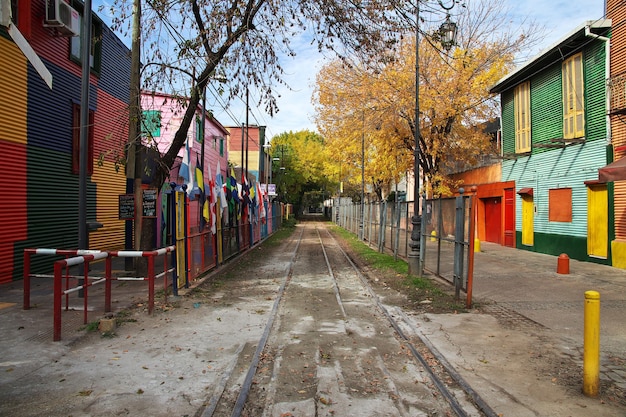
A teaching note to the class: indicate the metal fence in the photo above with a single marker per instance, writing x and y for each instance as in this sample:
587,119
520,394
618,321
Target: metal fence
447,234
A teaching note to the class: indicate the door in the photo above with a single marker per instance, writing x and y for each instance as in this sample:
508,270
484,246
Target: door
509,217
493,219
528,220
597,221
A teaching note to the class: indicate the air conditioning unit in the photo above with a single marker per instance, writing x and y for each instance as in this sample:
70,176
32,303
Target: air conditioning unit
62,17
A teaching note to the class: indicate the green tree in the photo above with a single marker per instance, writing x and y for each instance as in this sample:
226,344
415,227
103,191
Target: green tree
303,167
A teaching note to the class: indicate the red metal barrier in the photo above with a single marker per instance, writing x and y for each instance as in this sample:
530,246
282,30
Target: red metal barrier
151,274
79,257
28,253
58,292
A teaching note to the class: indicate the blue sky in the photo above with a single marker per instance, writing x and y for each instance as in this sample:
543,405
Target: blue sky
560,17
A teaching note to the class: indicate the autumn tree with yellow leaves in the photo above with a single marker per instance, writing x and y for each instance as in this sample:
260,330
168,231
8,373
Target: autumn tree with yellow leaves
367,112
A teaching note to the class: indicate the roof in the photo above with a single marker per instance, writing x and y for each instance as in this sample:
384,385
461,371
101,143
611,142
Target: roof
563,48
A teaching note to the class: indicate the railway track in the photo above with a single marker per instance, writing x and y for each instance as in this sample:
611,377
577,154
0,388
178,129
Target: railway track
331,347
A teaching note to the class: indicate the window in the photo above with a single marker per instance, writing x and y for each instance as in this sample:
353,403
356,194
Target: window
151,123
573,98
76,140
199,132
221,146
560,205
522,118
95,52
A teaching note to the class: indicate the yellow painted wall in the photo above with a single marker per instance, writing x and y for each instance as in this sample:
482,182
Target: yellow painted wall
13,92
618,253
110,185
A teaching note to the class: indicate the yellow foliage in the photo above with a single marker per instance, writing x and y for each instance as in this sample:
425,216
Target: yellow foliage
356,106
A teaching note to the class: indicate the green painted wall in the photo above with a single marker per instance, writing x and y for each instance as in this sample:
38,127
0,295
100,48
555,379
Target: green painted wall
575,247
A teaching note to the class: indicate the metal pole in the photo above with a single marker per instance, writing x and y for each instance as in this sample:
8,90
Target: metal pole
85,46
416,221
361,224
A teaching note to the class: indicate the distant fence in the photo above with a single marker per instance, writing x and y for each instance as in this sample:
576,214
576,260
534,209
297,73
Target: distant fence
447,233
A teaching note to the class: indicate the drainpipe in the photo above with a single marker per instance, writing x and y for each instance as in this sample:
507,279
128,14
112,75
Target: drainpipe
607,71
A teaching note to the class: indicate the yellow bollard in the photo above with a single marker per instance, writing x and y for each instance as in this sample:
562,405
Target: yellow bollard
476,245
591,355
433,236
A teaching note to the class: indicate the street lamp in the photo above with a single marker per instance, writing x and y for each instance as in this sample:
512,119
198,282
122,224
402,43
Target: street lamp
447,38
447,33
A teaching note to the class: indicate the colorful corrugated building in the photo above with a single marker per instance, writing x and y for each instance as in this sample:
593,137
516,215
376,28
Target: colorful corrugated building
554,138
39,128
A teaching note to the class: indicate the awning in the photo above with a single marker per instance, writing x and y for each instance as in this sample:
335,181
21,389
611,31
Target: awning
615,171
525,191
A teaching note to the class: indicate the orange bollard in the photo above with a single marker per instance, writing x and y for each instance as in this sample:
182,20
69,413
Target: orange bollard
562,266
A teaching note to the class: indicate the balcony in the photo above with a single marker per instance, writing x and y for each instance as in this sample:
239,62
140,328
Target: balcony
617,94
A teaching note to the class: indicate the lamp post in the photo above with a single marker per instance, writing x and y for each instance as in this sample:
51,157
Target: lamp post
447,37
362,222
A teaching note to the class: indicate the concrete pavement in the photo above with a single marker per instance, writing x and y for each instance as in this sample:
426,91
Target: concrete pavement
528,284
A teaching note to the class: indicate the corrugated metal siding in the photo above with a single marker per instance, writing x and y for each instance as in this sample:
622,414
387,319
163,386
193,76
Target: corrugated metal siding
13,219
109,186
115,71
595,91
50,111
618,132
52,200
546,107
617,13
50,47
111,133
569,167
13,98
508,122
620,209
111,127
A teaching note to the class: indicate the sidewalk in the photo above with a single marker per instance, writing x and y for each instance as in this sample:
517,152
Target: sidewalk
532,339
527,283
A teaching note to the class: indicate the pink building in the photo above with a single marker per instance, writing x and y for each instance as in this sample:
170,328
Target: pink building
163,114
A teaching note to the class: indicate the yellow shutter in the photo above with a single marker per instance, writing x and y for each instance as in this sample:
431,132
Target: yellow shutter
522,117
573,98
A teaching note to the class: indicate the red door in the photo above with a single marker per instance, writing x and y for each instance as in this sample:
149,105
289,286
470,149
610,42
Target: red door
509,217
493,219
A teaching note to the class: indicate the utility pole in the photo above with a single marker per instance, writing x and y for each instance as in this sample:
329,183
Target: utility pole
134,166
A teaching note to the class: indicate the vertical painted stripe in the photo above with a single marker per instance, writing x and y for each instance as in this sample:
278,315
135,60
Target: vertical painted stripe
13,85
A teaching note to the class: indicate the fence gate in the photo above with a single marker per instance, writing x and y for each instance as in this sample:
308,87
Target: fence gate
449,240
